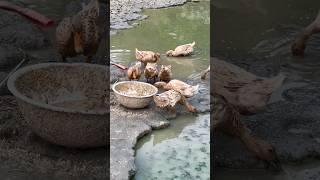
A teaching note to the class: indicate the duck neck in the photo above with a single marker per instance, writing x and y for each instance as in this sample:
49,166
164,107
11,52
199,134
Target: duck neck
251,142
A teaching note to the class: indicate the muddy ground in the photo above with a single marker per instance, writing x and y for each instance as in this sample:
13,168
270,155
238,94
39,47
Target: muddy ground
23,154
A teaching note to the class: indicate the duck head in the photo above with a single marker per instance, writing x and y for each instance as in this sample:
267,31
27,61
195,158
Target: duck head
170,53
166,68
161,101
151,67
263,150
157,56
268,153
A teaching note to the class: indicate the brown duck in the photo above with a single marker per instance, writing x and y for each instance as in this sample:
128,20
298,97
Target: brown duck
151,72
179,86
182,50
165,73
134,72
147,56
79,34
239,92
169,99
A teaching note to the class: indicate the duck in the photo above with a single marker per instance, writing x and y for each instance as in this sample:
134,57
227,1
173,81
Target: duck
299,45
79,34
151,72
147,56
134,72
169,99
247,92
179,86
182,50
165,73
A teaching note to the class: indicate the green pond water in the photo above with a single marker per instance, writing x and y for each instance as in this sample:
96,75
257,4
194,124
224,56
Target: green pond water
181,151
265,29
164,30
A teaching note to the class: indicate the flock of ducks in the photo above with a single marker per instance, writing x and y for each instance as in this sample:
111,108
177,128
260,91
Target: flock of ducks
162,78
149,59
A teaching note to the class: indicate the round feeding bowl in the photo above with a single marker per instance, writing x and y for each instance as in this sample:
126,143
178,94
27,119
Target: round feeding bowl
64,103
134,94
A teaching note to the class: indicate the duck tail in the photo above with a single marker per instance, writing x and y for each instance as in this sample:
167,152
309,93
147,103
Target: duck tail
137,51
193,43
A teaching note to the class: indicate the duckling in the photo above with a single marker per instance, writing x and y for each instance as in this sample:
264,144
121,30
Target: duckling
246,91
79,34
134,72
182,50
147,56
151,72
179,86
165,73
300,42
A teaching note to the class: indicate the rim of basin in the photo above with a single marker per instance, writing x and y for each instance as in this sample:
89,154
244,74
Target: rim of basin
137,82
12,88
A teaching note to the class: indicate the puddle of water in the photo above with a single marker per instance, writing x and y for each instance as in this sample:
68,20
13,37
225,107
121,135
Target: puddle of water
181,151
164,30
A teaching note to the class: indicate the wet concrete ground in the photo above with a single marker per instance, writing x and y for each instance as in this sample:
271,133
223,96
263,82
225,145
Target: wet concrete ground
127,126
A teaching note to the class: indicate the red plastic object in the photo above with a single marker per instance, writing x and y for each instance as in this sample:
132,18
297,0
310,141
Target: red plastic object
29,13
120,66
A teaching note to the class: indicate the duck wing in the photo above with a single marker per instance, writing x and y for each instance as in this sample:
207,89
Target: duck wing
227,79
255,95
184,88
248,92
184,49
90,35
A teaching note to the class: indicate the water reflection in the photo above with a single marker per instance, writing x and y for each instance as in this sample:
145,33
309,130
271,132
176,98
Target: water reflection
164,30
